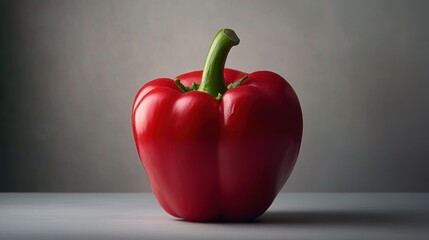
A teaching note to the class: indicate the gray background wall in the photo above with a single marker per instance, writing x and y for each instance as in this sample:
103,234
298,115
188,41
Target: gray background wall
69,71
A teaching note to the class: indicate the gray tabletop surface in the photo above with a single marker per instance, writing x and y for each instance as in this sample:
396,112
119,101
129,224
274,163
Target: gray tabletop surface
138,216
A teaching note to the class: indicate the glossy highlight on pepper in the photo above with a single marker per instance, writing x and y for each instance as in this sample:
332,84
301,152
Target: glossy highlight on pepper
217,144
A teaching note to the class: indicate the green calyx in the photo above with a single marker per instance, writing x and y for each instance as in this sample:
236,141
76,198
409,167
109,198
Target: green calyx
184,88
213,81
237,83
194,86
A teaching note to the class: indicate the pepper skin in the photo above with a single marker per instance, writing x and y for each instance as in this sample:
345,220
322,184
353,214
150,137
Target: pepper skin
213,153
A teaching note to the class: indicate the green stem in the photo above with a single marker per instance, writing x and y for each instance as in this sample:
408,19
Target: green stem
213,81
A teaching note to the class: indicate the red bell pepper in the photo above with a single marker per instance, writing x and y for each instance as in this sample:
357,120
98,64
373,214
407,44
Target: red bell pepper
217,144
